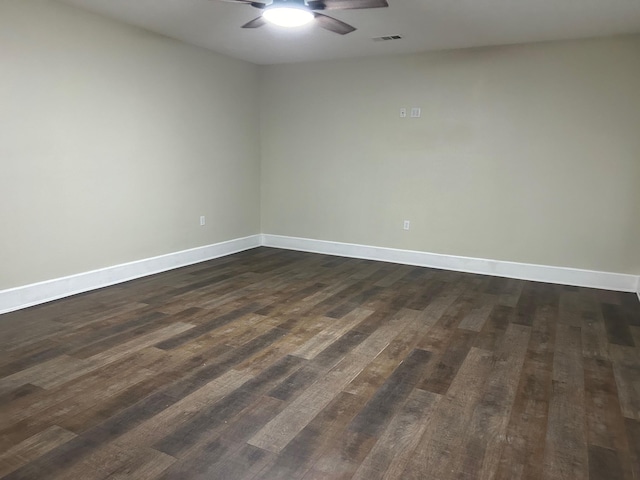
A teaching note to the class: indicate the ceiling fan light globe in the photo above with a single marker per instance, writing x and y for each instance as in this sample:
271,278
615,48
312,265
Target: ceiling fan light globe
287,16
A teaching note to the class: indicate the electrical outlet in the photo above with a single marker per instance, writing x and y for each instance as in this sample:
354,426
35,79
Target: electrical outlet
416,112
406,225
202,221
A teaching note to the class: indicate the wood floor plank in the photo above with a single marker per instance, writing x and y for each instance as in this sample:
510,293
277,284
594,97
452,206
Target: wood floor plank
29,333
523,451
376,373
633,438
604,464
334,330
94,385
446,366
113,354
60,413
316,438
208,326
475,319
26,390
635,333
532,296
605,423
276,364
495,327
391,452
282,429
626,368
617,325
525,437
156,428
343,458
40,373
203,374
447,430
570,311
148,465
383,405
32,448
212,418
118,326
595,343
227,453
441,302
245,464
397,274
566,454
18,361
508,292
488,426
65,368
97,464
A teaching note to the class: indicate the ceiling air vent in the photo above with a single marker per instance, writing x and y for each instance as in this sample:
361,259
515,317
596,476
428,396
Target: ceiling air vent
387,38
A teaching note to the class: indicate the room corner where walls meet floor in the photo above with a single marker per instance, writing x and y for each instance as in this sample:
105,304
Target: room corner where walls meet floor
29,295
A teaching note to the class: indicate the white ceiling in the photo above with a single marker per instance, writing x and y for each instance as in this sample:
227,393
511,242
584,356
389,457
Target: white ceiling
424,24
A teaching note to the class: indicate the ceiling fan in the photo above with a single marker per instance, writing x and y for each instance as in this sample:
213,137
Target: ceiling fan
295,13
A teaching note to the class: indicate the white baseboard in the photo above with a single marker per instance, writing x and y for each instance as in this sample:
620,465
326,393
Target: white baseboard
28,295
36,293
524,271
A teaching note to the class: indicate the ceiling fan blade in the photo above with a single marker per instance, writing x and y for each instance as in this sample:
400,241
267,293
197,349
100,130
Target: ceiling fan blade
259,5
347,4
255,23
316,5
333,24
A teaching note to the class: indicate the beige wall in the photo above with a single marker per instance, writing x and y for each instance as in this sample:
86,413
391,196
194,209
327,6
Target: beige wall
524,153
114,141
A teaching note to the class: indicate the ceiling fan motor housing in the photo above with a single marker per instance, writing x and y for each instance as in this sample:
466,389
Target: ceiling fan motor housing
288,13
301,4
290,3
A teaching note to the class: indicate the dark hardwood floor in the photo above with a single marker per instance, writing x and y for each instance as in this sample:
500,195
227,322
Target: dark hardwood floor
273,364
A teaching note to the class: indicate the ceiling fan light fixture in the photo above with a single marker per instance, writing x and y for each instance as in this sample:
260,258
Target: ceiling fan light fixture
287,15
